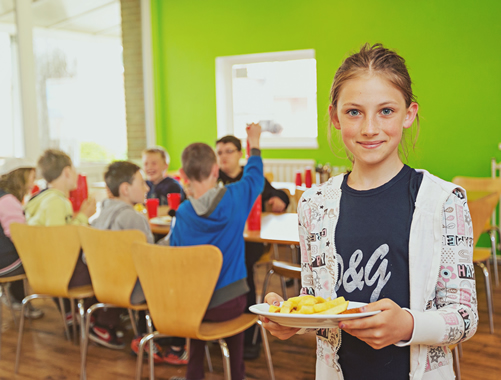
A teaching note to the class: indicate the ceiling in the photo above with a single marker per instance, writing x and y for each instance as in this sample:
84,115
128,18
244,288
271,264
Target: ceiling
99,17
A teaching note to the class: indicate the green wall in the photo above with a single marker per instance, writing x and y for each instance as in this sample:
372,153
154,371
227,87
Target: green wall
453,50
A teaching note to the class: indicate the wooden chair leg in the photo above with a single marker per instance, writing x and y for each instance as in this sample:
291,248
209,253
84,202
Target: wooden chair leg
63,315
133,322
494,257
207,355
267,351
456,361
226,359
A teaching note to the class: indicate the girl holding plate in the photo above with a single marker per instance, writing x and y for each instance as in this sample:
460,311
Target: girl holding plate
393,237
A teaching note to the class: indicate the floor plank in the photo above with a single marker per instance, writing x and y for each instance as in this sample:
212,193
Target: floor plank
47,355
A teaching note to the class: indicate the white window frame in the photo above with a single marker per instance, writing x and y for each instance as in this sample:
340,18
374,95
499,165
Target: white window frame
224,96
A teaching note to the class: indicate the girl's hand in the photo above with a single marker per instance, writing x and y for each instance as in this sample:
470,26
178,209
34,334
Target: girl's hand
392,325
281,332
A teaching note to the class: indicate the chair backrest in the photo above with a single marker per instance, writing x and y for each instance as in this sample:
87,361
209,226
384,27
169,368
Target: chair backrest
178,283
49,256
478,183
481,184
109,258
480,211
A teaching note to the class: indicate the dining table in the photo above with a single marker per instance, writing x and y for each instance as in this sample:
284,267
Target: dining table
276,228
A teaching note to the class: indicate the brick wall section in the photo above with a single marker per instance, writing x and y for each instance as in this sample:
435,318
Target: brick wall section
133,77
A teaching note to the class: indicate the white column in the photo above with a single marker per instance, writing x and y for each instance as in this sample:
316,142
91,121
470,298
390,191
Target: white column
149,90
24,20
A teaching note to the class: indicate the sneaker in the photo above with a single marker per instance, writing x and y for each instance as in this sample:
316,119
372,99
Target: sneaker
106,337
176,357
15,304
29,312
157,350
32,312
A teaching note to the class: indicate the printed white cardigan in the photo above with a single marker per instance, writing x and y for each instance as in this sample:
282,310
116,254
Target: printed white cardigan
443,299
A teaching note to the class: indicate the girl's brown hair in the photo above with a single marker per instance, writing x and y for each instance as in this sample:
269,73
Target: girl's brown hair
375,60
16,182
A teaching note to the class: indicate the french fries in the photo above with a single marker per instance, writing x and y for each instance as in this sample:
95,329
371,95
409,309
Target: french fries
311,305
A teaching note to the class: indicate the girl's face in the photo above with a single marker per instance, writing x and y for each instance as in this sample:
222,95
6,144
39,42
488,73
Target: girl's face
371,115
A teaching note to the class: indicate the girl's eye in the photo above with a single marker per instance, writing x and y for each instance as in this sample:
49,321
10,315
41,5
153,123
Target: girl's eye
353,112
387,111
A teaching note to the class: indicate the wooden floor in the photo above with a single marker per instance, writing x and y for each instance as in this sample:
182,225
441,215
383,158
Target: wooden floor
46,354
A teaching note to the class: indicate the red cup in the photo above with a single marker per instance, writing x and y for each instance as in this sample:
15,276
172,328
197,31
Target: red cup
299,179
254,219
80,194
307,177
174,199
152,207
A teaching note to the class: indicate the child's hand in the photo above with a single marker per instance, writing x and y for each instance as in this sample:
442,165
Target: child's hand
253,135
392,325
276,204
88,207
281,332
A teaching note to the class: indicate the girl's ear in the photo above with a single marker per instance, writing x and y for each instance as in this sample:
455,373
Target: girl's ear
333,116
411,114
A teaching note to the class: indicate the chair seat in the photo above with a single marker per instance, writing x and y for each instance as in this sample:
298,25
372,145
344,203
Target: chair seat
143,306
12,278
218,330
481,254
81,292
285,269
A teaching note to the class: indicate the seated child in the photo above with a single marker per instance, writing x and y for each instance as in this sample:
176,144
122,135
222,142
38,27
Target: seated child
217,215
127,187
51,207
155,165
17,176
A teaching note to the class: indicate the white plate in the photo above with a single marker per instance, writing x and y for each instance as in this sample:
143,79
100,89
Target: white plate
310,320
161,220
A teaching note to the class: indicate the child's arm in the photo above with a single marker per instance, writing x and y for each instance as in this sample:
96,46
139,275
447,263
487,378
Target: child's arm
11,211
252,182
283,332
131,220
455,318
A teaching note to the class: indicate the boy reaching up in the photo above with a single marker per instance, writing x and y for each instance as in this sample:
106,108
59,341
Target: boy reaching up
217,216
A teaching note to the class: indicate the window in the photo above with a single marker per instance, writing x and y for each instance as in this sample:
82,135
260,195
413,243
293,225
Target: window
278,90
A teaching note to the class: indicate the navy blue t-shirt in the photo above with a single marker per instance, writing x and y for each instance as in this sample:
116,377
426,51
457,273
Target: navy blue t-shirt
372,244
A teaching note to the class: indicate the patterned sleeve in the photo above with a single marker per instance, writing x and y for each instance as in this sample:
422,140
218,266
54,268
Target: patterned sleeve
304,218
451,317
455,292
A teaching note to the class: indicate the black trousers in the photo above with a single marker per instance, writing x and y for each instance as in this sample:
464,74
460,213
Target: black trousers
253,252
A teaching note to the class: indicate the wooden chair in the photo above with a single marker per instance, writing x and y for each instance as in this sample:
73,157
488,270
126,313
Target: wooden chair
480,211
109,258
3,282
283,269
178,283
49,256
488,185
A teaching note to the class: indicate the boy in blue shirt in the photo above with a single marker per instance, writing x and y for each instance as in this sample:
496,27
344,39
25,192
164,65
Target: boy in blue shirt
217,216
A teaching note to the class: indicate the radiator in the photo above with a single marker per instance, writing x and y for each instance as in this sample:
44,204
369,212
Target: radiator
284,170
